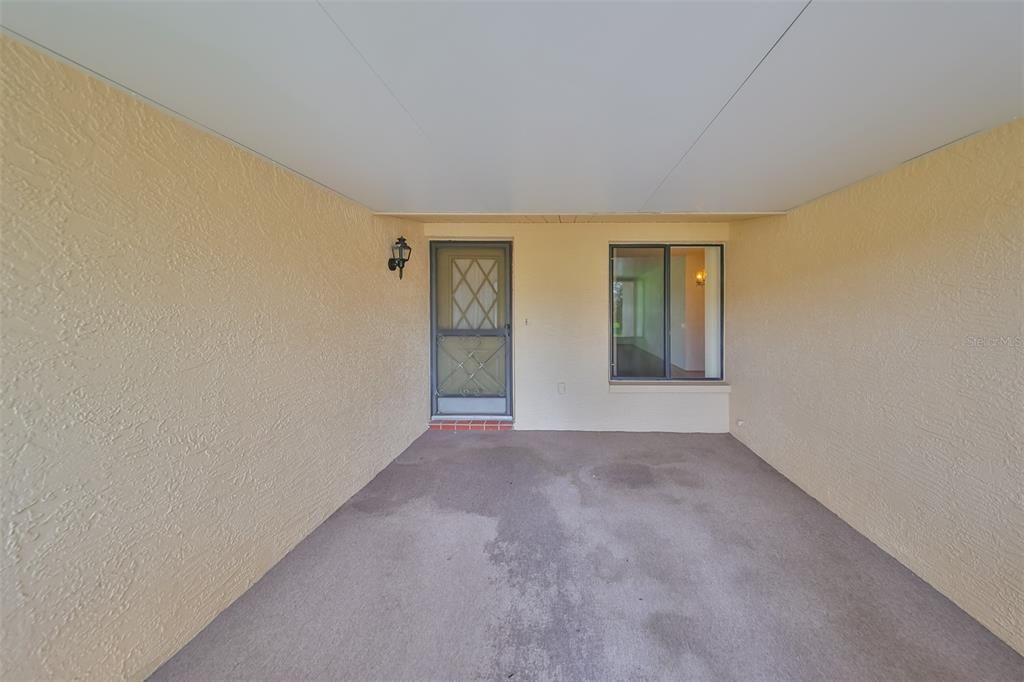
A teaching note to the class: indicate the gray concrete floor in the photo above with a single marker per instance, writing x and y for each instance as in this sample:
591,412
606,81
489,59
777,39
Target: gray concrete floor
564,555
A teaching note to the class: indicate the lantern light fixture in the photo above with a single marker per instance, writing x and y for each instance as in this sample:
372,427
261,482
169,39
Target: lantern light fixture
701,278
400,252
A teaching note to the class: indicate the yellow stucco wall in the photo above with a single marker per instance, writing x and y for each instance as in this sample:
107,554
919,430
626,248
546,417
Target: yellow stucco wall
203,357
875,346
560,329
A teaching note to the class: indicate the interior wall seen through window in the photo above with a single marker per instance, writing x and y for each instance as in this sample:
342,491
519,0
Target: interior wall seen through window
692,314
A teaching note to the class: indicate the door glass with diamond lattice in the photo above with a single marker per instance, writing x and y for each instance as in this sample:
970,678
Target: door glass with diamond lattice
471,328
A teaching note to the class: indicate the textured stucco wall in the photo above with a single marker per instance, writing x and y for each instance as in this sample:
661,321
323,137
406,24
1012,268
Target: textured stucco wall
560,329
875,345
204,356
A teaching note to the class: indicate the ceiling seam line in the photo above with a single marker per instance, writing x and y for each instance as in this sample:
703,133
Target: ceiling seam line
727,102
376,75
184,117
387,87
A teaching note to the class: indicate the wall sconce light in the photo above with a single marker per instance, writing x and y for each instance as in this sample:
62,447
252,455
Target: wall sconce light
701,278
400,252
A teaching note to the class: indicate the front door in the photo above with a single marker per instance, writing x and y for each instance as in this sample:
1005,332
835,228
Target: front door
471,349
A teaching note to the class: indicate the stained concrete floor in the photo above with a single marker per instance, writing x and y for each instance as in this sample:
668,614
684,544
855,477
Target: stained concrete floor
596,556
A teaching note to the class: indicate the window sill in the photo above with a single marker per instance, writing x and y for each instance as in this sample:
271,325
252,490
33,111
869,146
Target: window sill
687,386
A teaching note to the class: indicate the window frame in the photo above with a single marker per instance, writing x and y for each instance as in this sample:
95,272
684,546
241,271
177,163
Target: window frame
666,313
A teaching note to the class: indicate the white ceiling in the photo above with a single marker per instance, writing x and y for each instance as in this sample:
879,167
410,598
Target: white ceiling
522,107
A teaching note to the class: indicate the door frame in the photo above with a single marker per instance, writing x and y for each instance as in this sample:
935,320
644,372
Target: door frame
506,245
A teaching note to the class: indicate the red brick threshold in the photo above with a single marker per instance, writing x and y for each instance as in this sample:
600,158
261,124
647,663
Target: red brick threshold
469,425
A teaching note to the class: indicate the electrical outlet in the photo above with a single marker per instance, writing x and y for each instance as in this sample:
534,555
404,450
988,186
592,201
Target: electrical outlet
561,388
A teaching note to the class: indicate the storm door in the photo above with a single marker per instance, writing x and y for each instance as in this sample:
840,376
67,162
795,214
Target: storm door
471,345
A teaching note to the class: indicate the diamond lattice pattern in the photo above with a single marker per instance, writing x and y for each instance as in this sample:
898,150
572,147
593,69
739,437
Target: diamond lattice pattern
474,293
471,366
